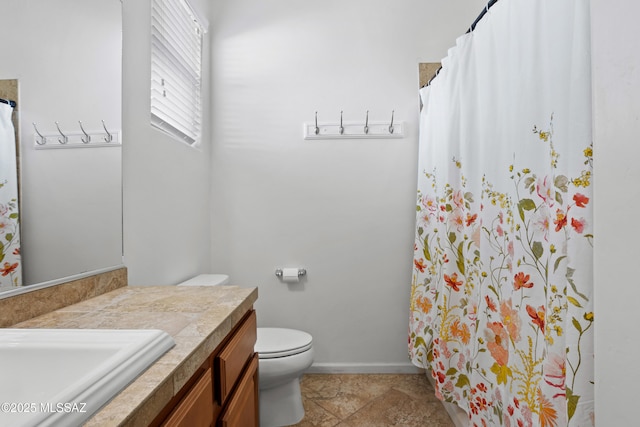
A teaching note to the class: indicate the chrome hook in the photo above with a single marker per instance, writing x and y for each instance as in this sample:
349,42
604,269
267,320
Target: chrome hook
43,139
366,124
65,138
109,137
317,130
341,127
86,138
391,125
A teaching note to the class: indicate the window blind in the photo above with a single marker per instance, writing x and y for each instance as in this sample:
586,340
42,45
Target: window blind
176,57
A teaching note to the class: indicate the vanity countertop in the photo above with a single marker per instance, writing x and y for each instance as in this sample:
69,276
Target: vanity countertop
198,319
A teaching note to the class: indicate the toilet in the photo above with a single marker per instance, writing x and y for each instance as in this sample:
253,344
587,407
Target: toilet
284,354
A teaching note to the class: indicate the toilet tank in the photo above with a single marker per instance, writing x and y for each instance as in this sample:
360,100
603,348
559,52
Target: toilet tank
207,280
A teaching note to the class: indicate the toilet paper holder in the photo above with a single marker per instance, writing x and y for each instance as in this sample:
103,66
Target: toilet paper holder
280,272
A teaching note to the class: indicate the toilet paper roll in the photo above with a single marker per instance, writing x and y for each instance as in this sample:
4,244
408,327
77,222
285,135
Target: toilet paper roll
290,275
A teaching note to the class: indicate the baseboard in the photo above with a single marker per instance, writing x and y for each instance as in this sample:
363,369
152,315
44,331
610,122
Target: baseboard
364,368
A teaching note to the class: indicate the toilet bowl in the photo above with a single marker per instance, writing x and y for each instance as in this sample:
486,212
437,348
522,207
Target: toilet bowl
284,354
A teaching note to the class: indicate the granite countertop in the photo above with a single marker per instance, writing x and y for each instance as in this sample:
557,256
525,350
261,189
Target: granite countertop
198,319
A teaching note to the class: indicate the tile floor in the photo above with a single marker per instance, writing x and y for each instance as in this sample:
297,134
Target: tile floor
359,400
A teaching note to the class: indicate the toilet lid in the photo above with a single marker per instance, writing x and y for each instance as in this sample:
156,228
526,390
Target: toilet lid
207,280
281,342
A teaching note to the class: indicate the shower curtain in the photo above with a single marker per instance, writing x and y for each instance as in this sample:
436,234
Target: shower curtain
501,300
10,264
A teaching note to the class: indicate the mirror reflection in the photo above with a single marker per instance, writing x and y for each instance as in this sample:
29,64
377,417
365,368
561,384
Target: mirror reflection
66,57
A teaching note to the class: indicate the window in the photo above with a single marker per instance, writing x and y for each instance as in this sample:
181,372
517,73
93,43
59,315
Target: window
176,65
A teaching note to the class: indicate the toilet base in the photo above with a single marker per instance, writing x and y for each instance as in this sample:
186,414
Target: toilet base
281,405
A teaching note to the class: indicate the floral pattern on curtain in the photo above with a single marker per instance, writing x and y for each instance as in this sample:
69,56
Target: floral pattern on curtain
501,299
10,264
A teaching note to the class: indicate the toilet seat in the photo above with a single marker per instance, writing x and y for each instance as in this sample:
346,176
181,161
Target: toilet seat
281,342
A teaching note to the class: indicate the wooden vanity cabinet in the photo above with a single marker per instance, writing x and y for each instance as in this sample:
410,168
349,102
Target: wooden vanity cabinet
224,390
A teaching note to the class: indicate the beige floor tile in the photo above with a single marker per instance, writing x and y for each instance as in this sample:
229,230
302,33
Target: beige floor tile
416,386
368,400
396,409
343,395
316,416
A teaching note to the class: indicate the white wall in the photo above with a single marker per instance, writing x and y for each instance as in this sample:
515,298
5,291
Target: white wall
166,183
616,83
69,69
345,209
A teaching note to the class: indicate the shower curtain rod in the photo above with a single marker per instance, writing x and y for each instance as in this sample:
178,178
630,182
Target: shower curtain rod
471,28
8,101
479,18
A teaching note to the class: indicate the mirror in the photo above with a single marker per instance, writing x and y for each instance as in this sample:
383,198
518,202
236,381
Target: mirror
67,58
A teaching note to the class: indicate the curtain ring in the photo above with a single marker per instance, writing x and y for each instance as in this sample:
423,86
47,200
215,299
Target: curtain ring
341,127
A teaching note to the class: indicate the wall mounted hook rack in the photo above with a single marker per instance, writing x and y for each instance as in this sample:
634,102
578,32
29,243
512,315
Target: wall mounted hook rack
354,130
77,139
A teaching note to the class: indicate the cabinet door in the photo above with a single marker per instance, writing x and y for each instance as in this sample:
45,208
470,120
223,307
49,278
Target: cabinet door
235,355
196,408
242,410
